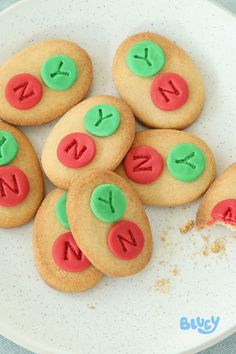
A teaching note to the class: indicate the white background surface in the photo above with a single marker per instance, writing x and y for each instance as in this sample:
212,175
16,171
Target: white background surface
131,315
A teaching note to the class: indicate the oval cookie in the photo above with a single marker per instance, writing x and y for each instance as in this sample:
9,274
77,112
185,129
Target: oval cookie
218,205
158,81
43,81
108,220
21,180
58,258
96,133
168,167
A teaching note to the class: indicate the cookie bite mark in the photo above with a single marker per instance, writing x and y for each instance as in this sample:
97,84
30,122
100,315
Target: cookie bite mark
218,205
224,212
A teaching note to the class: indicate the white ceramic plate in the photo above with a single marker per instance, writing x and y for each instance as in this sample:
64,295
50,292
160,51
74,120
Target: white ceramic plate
132,315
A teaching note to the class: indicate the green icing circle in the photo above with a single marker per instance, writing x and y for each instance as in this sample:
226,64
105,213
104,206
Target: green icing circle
145,58
8,147
102,120
108,202
186,162
59,72
60,210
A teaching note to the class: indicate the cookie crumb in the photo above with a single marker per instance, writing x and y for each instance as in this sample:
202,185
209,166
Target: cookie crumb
163,285
187,226
174,271
205,248
162,262
163,238
217,246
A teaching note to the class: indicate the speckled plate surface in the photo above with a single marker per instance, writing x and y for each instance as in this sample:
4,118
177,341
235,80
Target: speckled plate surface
139,314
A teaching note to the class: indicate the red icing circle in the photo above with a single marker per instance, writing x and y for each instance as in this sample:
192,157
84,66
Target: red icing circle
125,240
76,150
14,186
169,91
67,255
23,91
225,211
143,164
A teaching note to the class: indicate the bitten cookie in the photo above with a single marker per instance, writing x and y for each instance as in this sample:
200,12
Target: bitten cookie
158,81
96,133
58,258
218,206
21,180
108,221
168,167
43,81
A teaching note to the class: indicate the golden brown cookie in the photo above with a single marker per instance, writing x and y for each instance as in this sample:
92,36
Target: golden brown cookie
58,259
218,205
21,180
108,220
96,133
168,167
158,81
43,81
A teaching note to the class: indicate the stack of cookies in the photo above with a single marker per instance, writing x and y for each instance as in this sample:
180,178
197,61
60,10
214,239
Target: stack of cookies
94,221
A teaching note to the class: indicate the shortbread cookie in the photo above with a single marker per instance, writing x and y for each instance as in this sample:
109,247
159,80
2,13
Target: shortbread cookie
158,81
168,167
21,180
58,258
108,221
96,133
43,81
219,203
